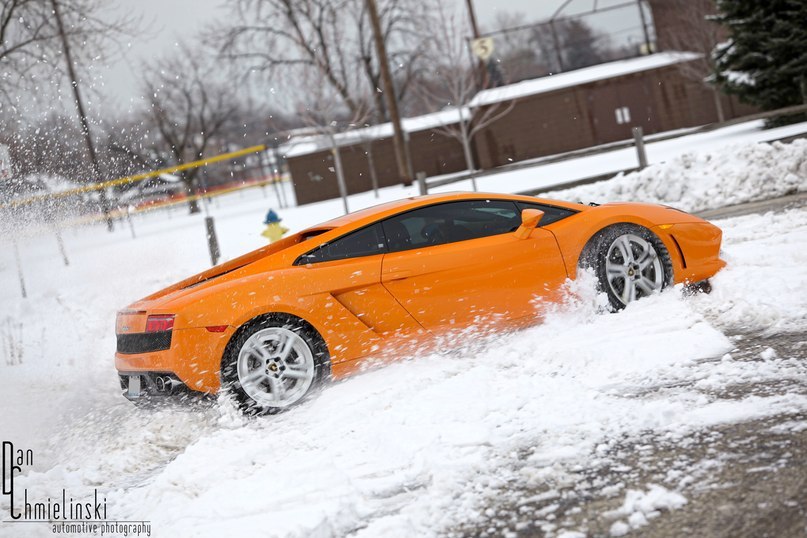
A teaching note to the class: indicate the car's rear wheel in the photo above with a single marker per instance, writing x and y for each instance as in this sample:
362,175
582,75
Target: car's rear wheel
630,262
274,363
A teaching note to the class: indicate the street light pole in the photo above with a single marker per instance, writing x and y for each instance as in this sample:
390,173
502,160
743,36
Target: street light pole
389,94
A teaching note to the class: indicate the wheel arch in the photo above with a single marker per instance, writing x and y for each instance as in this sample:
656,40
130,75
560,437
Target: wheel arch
570,239
589,248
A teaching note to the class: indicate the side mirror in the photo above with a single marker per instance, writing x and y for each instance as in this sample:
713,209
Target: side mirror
529,221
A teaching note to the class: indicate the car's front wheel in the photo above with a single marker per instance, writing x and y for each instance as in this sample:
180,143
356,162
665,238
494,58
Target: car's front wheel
630,262
274,363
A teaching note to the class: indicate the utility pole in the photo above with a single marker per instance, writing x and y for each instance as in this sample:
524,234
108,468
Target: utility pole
472,16
389,95
85,126
489,73
482,76
647,43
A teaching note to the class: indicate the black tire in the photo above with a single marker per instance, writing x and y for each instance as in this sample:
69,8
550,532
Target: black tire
249,394
638,280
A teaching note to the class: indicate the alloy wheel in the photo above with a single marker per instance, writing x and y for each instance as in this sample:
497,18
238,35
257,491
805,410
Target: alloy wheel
633,268
275,367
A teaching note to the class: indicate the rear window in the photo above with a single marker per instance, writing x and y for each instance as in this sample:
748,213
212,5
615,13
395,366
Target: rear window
364,242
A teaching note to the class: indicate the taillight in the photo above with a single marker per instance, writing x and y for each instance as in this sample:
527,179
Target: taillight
159,323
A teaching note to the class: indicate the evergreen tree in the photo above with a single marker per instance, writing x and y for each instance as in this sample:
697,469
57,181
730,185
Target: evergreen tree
764,60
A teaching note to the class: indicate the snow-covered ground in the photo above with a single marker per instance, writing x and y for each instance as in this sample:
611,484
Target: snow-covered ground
415,447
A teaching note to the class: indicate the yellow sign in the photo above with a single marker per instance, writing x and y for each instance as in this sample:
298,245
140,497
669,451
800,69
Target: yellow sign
482,48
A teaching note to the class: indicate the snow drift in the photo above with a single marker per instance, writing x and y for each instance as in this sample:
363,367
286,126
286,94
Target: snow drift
696,181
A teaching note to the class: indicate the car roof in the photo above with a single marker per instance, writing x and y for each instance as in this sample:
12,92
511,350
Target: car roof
371,214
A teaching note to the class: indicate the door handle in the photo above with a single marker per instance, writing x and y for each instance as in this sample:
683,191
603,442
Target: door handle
396,275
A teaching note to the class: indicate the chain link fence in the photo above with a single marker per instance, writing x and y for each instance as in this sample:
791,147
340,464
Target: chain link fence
609,32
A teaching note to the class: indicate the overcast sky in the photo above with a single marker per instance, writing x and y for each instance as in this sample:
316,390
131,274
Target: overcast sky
167,21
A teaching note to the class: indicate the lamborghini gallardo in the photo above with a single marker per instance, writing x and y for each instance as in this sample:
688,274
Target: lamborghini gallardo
274,325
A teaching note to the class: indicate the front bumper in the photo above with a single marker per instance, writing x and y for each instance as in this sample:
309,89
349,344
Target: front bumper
695,249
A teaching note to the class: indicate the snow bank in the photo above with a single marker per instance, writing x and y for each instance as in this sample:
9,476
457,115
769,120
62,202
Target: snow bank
696,181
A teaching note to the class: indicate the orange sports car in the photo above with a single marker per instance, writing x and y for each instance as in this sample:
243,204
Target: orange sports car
274,324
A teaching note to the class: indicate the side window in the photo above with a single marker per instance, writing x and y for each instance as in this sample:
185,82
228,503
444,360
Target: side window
551,213
450,222
364,242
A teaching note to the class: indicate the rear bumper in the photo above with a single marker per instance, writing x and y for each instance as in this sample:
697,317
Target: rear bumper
194,359
139,386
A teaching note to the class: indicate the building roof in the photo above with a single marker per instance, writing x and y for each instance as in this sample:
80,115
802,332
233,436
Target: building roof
304,145
580,76
311,144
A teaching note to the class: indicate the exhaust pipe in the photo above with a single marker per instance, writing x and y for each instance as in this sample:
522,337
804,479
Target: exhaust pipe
164,383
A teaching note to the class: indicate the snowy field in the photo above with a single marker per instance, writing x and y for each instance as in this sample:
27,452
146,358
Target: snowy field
422,446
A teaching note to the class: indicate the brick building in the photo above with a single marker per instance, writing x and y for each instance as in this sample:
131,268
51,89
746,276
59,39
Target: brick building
552,114
594,105
680,23
432,151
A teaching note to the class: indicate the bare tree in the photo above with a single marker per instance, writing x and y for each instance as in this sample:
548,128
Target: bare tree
582,46
689,28
24,29
515,50
569,44
189,105
326,117
50,145
454,83
331,36
400,20
41,38
31,45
